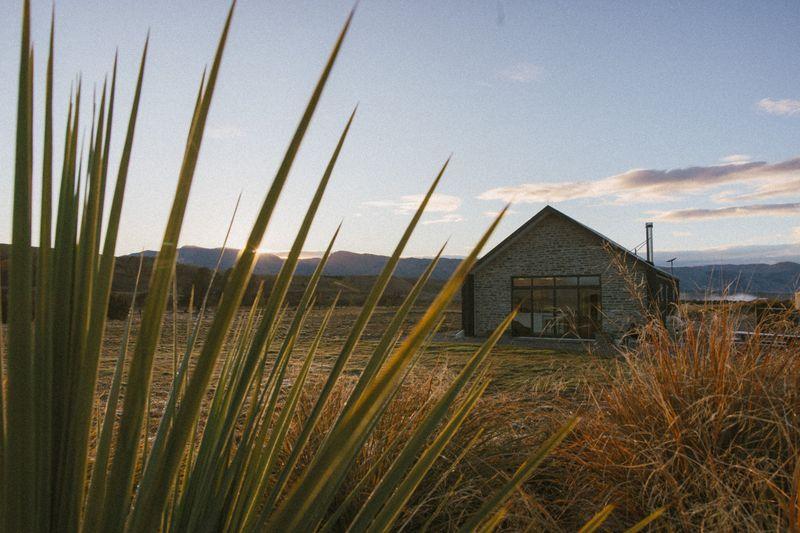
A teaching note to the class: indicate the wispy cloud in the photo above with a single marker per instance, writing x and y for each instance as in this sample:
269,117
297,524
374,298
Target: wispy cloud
522,73
445,219
736,158
639,185
785,107
439,203
772,189
681,233
755,210
544,192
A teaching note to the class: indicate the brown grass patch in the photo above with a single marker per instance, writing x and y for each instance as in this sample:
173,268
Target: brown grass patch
698,423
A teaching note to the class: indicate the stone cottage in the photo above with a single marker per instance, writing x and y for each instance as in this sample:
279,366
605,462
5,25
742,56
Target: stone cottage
569,281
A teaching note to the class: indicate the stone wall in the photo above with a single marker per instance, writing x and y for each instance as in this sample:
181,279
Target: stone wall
558,247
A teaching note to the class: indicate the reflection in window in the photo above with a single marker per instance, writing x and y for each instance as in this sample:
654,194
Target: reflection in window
543,312
589,320
521,326
566,311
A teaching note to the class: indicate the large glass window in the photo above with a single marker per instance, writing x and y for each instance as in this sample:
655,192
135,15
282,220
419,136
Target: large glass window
566,311
589,320
543,311
521,295
556,306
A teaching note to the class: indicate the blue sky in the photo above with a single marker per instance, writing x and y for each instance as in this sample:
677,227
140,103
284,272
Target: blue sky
684,113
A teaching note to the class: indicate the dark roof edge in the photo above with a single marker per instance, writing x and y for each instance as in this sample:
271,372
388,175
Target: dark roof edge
547,210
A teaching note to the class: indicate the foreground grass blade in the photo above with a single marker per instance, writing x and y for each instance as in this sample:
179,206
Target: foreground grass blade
102,291
159,475
106,267
421,435
349,345
408,485
2,389
260,391
278,432
493,522
646,521
43,365
523,473
97,486
62,285
20,446
121,475
388,337
443,479
597,520
310,497
331,521
70,482
192,333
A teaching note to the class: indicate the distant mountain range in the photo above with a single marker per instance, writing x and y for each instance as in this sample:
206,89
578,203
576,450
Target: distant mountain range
775,280
733,255
339,263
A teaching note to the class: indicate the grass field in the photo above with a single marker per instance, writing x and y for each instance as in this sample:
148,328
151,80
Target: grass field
514,368
529,394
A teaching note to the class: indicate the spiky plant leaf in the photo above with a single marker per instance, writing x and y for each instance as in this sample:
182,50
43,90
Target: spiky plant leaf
43,364
524,471
311,495
393,480
646,521
97,485
121,475
20,442
597,520
159,474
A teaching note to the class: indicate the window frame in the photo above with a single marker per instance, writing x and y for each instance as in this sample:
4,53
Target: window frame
578,287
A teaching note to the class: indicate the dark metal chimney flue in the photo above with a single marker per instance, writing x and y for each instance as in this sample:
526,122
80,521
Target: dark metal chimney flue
648,228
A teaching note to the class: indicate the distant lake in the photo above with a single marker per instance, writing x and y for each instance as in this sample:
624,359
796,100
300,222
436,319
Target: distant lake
736,297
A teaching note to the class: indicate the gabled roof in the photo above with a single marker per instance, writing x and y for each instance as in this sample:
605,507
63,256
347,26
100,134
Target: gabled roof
550,210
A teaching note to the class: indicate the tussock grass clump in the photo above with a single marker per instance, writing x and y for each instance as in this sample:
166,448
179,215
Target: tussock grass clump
696,422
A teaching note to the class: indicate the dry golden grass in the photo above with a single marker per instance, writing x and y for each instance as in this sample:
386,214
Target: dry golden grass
696,423
514,368
496,438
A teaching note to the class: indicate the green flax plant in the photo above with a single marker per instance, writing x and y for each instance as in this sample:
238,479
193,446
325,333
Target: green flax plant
232,471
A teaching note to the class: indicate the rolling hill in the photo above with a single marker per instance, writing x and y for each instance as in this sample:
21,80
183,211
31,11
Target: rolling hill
340,263
759,279
353,274
778,280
